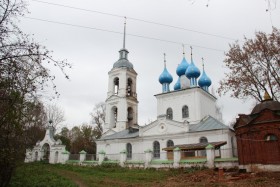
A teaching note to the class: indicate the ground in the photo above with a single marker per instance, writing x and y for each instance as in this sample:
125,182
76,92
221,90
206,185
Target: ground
39,174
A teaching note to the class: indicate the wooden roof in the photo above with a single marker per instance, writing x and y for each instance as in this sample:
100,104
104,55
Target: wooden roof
196,146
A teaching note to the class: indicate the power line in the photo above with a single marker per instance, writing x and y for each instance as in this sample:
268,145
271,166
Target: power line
116,32
137,19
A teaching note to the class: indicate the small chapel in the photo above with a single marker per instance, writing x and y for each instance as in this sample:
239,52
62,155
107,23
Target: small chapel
258,136
186,115
48,150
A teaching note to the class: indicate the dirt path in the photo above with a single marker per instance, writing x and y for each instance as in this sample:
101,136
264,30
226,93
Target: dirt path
71,176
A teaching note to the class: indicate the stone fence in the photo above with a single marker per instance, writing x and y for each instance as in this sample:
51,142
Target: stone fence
148,162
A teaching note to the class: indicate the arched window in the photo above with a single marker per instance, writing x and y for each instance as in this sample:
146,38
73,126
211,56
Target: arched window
185,111
203,140
129,150
36,156
56,157
129,87
156,149
116,86
114,116
170,143
130,116
270,137
169,113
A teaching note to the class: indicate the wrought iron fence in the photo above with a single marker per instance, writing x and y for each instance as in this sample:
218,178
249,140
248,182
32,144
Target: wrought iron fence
74,157
91,157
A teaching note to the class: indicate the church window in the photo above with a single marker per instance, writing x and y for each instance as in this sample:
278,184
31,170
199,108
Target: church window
115,116
36,156
170,143
129,87
130,116
129,150
116,86
185,111
169,113
271,137
203,140
156,147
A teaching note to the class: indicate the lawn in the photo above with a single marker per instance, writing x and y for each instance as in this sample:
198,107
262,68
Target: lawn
40,174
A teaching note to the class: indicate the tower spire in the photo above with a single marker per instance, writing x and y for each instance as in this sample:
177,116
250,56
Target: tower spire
124,32
183,50
202,59
164,56
191,53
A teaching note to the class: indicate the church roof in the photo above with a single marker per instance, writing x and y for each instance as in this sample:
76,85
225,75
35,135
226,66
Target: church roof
127,133
207,124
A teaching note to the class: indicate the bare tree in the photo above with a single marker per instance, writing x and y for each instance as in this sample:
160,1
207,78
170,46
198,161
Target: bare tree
23,75
55,114
98,117
254,68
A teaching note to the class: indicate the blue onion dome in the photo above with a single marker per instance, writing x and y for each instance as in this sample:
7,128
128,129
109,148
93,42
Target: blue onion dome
165,77
181,69
177,85
192,71
204,80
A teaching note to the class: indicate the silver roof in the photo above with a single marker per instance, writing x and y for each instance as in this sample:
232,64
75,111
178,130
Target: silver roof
122,135
208,124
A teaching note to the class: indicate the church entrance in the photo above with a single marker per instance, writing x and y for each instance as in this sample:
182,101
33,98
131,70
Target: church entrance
46,152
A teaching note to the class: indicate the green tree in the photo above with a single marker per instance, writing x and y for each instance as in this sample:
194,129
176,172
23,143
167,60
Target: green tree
254,68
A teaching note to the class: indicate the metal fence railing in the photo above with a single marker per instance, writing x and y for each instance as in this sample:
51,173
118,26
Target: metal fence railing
91,157
74,157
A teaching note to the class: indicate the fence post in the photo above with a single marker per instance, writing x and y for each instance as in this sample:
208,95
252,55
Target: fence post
101,156
210,153
123,157
65,156
82,155
148,157
176,157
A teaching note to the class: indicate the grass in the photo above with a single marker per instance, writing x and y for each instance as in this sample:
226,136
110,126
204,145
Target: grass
41,174
38,174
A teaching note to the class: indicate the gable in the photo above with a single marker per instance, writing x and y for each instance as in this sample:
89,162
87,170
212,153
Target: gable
163,127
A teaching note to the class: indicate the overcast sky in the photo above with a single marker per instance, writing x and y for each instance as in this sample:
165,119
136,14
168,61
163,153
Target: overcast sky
92,52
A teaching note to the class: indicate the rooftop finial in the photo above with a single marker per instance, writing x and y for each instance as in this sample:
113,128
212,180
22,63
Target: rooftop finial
191,52
202,59
183,50
164,56
266,96
124,32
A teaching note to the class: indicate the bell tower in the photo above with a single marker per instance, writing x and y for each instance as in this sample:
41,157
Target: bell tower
121,102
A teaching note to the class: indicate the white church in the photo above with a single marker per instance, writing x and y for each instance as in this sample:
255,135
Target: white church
187,116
